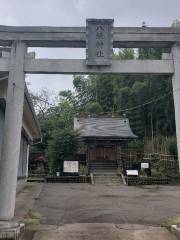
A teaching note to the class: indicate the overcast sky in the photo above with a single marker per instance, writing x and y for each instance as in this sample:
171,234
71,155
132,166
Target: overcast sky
74,13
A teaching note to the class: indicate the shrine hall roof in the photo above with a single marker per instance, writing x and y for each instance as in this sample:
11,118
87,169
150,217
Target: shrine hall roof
104,127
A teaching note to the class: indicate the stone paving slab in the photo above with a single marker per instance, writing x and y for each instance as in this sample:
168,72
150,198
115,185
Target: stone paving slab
104,231
61,204
25,200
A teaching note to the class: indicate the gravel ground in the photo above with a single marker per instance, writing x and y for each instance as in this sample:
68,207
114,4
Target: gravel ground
62,204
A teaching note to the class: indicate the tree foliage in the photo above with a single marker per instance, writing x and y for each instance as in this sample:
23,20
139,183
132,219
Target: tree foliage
60,141
147,100
63,144
93,107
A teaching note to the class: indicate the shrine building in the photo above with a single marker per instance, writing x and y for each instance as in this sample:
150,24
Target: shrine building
104,139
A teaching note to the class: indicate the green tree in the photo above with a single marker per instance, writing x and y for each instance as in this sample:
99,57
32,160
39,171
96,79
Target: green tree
171,145
176,23
57,117
146,100
93,107
63,144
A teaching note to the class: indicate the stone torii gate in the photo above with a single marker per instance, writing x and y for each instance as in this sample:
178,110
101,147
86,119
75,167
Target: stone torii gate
19,62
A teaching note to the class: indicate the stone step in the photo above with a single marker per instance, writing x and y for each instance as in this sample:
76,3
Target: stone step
107,179
103,168
175,179
113,163
104,171
104,163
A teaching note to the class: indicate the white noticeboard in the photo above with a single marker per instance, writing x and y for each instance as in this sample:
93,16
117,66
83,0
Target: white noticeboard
132,172
144,165
71,166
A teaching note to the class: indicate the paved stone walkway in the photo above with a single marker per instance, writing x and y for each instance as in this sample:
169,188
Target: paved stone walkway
85,212
103,231
61,204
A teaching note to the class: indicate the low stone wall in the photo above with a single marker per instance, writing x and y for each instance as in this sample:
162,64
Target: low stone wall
69,179
146,180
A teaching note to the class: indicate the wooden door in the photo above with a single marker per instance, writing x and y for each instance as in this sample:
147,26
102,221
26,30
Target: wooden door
92,154
110,153
100,153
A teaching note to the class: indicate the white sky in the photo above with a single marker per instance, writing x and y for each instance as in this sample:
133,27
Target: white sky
74,13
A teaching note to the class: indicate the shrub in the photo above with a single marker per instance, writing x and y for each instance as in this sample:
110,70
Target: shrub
63,144
171,145
93,107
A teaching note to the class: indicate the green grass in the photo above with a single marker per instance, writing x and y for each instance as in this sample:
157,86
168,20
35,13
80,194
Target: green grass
32,218
171,221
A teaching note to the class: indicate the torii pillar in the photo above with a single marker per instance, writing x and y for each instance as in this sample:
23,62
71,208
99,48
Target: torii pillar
176,93
12,132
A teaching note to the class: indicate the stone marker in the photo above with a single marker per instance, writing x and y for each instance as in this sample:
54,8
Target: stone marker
99,42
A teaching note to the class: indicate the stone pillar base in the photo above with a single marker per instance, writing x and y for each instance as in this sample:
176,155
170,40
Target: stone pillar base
10,230
175,229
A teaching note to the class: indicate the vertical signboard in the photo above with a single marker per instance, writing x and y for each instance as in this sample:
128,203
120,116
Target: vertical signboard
99,41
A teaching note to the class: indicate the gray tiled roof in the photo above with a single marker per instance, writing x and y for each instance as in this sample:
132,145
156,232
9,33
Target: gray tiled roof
104,127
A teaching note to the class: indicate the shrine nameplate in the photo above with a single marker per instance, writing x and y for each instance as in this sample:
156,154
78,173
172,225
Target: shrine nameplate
99,42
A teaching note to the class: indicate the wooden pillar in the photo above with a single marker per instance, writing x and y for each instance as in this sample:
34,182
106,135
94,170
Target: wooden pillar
12,131
176,93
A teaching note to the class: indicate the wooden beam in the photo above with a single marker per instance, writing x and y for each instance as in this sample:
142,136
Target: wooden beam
76,36
75,66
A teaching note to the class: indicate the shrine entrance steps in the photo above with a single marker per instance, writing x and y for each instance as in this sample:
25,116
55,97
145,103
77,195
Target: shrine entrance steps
103,167
105,172
107,179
